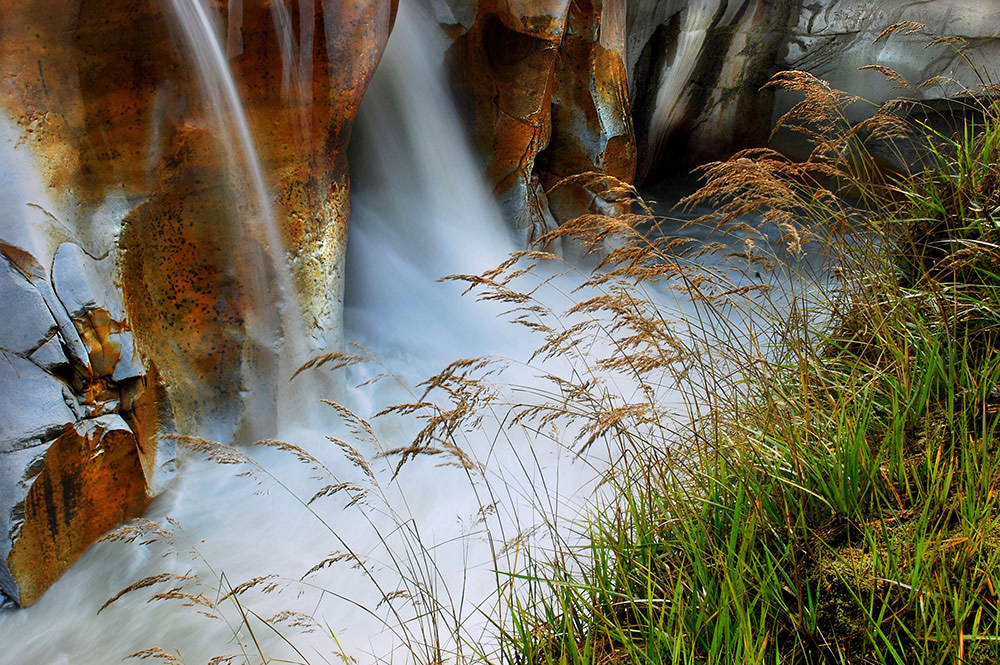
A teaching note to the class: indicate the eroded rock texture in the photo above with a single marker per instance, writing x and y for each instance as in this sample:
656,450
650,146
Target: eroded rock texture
543,88
695,72
696,66
167,198
833,39
79,420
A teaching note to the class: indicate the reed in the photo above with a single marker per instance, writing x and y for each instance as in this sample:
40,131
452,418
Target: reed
802,431
834,497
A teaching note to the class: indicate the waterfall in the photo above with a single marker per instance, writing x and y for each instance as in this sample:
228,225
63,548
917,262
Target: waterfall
420,208
420,213
282,327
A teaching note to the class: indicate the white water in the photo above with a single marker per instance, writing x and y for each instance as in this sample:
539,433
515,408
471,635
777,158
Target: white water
420,213
203,38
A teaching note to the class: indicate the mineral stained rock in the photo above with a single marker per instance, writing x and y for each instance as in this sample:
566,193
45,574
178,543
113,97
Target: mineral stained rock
543,87
79,422
88,481
204,185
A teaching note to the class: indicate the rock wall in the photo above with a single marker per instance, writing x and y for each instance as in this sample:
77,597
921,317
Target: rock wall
696,66
542,86
546,96
144,251
834,39
695,72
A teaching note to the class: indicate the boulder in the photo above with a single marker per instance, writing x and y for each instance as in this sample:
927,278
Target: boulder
73,490
79,435
592,127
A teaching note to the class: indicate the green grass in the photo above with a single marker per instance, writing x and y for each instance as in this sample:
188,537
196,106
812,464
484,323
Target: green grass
832,493
839,502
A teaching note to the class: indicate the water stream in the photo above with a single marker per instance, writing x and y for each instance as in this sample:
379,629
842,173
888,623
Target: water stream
419,213
386,545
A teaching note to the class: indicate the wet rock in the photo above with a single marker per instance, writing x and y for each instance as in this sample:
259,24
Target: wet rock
188,307
146,408
89,481
210,317
504,74
33,404
592,127
129,365
695,72
107,112
84,284
832,39
32,270
543,89
18,470
151,187
86,290
50,356
696,67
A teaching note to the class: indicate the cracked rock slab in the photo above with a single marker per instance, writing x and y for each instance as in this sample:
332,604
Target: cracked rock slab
33,403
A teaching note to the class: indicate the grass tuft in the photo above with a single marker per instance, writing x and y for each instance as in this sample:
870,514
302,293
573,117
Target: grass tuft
835,497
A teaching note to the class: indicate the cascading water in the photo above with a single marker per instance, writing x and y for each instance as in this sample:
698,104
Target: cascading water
265,326
420,213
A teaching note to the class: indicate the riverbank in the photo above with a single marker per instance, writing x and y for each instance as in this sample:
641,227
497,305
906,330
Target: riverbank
836,498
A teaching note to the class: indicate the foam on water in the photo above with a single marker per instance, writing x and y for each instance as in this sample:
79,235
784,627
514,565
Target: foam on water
420,213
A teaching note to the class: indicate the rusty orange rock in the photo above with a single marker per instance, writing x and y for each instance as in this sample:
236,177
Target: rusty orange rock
185,303
91,481
302,90
543,83
108,100
591,119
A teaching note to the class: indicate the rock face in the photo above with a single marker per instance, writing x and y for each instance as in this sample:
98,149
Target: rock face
834,39
645,89
174,192
695,72
65,507
696,67
546,96
543,88
79,421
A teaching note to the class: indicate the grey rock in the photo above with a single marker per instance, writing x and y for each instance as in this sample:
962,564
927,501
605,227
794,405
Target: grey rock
33,404
129,362
696,66
84,283
50,355
75,349
695,69
832,39
27,322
